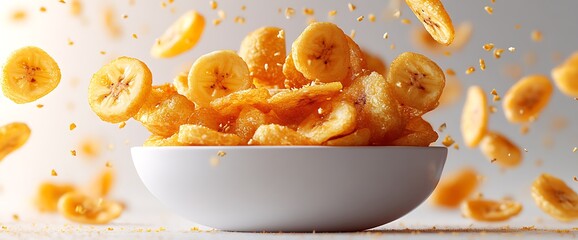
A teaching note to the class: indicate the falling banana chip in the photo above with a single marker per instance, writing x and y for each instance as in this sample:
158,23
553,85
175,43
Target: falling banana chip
29,74
81,208
565,76
555,198
454,188
360,137
321,52
422,39
215,75
273,134
474,122
102,184
416,81
199,135
12,137
496,147
490,210
119,89
334,119
527,98
181,36
264,51
435,19
48,194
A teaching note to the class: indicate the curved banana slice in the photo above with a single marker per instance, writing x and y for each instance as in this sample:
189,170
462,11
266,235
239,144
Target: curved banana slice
164,111
102,184
376,108
293,78
496,147
29,74
555,198
46,199
249,120
417,132
565,78
358,138
81,208
490,210
181,36
357,63
527,98
308,95
435,19
12,137
160,141
274,134
321,52
334,119
416,81
215,75
264,51
199,135
119,89
232,104
474,123
454,188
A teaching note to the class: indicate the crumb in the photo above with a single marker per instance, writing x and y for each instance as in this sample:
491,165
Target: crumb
488,47
470,70
351,7
442,127
489,10
53,173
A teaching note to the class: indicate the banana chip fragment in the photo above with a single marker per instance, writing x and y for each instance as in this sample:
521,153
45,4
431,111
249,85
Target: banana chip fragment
29,74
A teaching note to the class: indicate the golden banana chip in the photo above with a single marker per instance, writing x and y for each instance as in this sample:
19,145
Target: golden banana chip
102,184
199,135
555,198
81,208
208,117
29,74
181,36
497,148
454,188
293,78
527,98
435,19
474,122
264,51
48,194
357,64
12,137
232,104
565,75
160,141
333,119
165,110
358,138
307,95
249,120
422,39
490,210
274,134
417,132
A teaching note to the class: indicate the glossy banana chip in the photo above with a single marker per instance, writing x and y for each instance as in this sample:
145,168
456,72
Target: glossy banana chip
29,74
526,99
555,198
490,210
249,120
455,188
360,137
333,119
475,115
199,135
417,132
435,19
160,141
501,150
12,137
565,76
264,52
293,78
273,134
181,36
81,208
308,95
232,104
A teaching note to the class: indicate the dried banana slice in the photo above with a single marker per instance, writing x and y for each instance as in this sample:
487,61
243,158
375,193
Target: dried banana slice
48,194
358,138
308,95
454,188
376,107
416,81
490,210
160,141
357,63
81,208
232,104
332,119
119,89
12,137
264,52
496,147
321,52
274,134
435,19
474,122
418,132
181,36
555,198
249,120
199,135
165,110
29,74
293,78
102,184
215,75
422,39
565,77
527,98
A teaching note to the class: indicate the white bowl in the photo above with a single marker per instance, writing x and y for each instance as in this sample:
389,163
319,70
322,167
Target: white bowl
290,189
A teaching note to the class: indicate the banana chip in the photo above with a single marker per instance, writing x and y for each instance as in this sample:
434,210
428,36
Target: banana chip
454,188
102,184
274,134
232,104
249,120
497,148
475,115
435,19
555,198
264,51
490,210
335,119
181,36
48,194
358,138
160,141
417,132
527,98
81,208
12,137
199,135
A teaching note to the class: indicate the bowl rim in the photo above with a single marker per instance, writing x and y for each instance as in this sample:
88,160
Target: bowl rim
256,147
